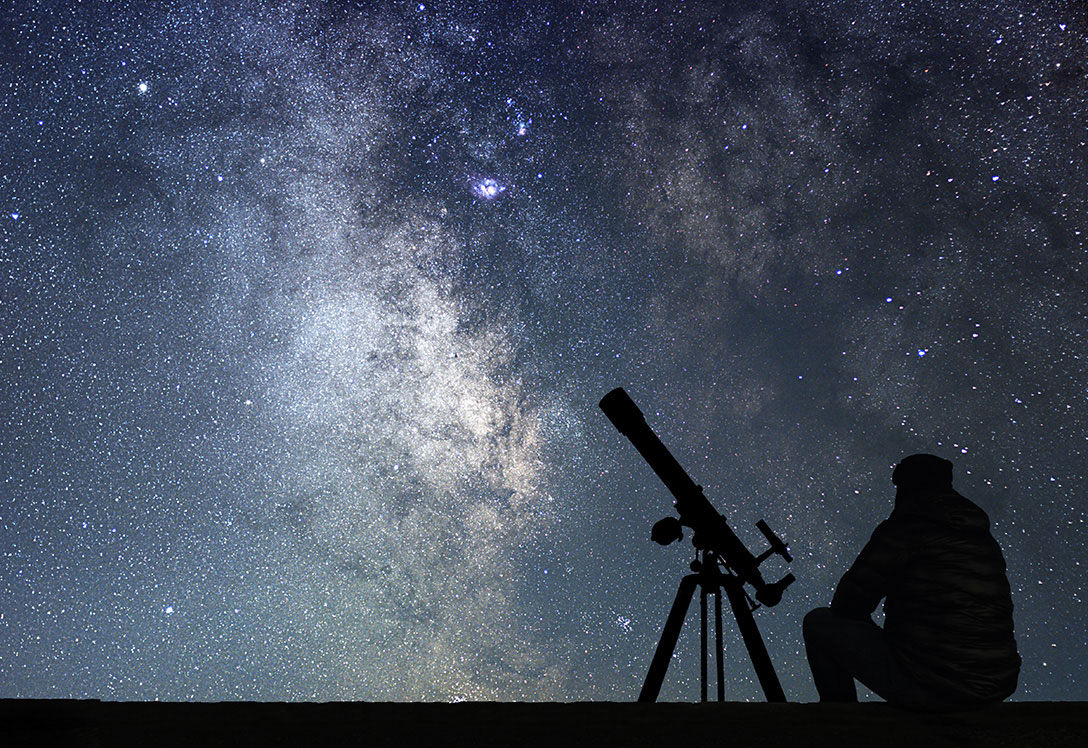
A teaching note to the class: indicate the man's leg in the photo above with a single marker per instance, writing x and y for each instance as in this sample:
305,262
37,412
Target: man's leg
842,649
826,636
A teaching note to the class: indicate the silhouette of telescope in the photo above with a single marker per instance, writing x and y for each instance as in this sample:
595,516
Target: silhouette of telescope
710,530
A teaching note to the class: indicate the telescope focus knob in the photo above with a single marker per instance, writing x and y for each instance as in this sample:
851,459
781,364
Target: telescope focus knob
666,531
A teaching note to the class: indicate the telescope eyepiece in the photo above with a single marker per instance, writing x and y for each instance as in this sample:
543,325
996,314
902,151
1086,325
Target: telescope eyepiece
771,594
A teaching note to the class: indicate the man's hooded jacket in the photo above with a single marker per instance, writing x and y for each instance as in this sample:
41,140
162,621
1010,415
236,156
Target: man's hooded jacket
948,609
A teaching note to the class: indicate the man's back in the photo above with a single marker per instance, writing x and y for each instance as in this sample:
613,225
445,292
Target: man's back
948,608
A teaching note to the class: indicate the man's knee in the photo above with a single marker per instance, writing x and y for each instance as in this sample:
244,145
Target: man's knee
816,622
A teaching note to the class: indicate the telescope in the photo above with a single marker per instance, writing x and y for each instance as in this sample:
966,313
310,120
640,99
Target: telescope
722,560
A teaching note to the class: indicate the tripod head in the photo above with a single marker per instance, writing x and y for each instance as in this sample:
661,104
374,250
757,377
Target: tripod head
709,527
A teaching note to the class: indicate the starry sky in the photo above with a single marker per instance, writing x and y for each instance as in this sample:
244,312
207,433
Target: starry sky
306,308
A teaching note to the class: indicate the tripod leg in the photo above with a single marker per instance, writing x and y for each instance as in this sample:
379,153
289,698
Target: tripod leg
757,650
718,637
667,643
702,642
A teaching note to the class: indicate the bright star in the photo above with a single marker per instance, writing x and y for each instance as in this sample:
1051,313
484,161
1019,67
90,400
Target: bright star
143,87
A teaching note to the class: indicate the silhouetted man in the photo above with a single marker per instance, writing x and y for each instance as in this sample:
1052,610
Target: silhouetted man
947,640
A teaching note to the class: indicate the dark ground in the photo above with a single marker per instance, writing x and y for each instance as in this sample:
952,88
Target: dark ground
93,723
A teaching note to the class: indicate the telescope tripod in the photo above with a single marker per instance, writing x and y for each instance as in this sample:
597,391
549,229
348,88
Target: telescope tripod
709,577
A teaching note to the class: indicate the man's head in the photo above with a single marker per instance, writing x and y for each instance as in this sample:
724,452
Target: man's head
922,473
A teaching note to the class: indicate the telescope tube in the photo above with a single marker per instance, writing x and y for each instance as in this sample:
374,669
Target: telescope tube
710,528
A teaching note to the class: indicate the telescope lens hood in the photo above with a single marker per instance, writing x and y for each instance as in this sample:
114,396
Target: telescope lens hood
622,411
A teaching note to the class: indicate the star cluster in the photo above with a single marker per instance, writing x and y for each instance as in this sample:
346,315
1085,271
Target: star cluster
306,307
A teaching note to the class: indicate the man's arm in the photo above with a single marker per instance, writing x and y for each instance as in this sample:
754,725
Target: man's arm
866,582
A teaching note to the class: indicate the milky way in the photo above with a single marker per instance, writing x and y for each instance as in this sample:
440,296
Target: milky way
305,311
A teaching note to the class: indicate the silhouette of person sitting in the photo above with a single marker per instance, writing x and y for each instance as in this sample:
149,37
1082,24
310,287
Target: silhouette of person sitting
947,641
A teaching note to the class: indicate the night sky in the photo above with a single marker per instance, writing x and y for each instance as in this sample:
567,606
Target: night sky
306,308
